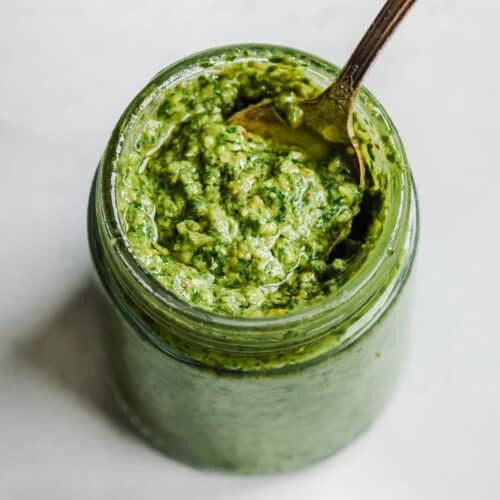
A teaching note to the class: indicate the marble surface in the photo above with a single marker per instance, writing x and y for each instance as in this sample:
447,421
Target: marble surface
67,71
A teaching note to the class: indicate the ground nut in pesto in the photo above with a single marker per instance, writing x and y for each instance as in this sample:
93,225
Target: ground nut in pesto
229,222
235,338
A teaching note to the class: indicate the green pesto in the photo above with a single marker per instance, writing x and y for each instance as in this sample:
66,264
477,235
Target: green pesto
233,393
228,221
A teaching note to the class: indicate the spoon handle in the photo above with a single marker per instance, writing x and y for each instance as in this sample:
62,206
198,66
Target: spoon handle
345,86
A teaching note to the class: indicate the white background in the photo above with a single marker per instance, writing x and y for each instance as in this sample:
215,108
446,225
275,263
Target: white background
68,69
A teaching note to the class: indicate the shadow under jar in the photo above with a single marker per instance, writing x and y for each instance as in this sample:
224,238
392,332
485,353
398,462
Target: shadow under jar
257,394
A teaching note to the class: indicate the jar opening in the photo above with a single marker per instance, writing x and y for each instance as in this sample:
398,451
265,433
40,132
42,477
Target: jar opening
385,266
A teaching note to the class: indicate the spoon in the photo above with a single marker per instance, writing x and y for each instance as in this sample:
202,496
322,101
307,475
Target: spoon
327,118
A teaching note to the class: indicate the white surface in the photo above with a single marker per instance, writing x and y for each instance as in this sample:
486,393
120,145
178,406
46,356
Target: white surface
68,70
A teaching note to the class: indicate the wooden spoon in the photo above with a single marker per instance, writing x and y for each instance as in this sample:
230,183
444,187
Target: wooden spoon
327,119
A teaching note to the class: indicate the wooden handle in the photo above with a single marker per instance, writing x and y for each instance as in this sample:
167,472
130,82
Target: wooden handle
349,79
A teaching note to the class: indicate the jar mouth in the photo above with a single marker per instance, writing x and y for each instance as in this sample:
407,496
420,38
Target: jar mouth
336,304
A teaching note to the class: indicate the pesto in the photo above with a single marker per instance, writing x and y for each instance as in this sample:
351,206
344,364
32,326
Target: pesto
232,392
228,221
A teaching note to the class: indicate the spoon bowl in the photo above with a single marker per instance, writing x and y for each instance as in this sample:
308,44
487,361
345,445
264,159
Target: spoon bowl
327,119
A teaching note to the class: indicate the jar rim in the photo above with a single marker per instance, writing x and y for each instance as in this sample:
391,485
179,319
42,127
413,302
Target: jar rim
337,301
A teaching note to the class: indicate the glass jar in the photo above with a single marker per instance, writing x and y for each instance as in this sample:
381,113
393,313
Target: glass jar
265,394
